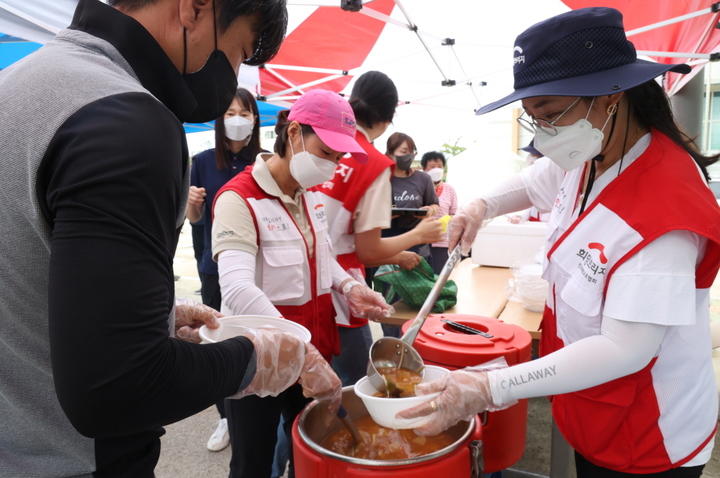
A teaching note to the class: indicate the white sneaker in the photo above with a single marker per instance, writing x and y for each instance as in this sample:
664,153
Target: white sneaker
221,438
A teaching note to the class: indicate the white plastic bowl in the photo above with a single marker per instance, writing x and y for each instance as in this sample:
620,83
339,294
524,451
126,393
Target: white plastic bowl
228,330
383,410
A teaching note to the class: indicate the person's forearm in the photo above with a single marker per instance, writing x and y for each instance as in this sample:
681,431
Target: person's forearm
340,277
509,196
373,250
194,212
625,348
395,259
116,369
236,271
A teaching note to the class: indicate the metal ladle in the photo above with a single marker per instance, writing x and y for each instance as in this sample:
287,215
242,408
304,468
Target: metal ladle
397,353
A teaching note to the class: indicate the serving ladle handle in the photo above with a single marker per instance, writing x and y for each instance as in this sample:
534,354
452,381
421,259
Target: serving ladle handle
392,352
411,333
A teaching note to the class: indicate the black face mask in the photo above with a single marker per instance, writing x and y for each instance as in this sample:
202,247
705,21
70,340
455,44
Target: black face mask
213,86
404,162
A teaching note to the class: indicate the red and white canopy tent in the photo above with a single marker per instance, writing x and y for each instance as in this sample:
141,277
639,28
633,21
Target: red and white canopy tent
425,46
670,32
448,60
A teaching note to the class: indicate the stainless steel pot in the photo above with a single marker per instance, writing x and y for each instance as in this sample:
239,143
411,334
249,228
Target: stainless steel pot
313,430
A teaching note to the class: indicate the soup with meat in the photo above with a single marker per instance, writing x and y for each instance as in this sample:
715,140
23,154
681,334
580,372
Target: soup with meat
380,443
404,380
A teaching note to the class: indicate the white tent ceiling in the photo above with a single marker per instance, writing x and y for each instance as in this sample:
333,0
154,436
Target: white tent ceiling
483,35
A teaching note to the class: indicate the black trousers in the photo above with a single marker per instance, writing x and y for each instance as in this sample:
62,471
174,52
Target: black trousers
439,258
585,469
253,424
210,290
198,241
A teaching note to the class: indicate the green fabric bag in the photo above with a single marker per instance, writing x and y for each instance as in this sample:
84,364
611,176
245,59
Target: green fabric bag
414,286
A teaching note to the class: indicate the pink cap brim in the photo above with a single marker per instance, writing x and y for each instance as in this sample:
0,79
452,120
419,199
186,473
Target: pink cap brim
342,143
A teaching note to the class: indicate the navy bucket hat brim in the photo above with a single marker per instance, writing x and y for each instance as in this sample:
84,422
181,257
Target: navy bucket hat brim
583,52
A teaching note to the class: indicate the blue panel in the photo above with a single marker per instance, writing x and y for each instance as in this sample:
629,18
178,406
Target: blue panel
10,52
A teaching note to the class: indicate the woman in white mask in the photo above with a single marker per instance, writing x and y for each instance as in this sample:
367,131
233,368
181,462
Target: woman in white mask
633,246
270,238
433,163
237,140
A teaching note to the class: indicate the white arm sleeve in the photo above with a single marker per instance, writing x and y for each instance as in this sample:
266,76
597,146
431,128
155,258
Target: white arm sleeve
510,196
621,348
339,275
536,186
240,295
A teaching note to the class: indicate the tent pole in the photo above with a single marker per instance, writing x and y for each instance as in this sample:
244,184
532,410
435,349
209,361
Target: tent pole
672,54
710,25
671,21
29,18
280,77
708,104
414,28
308,69
387,19
469,83
306,85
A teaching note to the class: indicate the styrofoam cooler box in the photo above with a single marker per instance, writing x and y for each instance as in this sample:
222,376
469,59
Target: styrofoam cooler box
501,243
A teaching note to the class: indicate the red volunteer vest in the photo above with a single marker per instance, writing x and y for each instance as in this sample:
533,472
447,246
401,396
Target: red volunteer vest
317,314
348,186
615,425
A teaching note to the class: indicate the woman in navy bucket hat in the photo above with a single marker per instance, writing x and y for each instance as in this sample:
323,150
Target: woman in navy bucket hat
633,246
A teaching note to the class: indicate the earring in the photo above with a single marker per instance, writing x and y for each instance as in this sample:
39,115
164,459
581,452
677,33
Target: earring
612,109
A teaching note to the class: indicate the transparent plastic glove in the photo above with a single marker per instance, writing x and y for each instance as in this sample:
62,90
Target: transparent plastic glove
464,394
465,225
280,360
190,315
320,381
366,303
428,231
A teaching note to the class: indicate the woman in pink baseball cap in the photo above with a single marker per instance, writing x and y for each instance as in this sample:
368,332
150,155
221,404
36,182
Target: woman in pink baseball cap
270,238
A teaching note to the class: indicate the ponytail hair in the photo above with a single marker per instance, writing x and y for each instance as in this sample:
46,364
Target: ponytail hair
651,106
281,132
373,99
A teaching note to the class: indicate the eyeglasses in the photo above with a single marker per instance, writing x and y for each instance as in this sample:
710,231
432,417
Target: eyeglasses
533,124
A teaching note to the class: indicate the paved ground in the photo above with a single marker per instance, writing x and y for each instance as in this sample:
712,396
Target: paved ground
184,454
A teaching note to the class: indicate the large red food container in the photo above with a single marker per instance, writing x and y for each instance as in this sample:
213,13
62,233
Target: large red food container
439,344
462,459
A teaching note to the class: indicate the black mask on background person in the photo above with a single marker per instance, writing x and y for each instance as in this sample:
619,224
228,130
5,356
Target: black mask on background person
404,162
213,86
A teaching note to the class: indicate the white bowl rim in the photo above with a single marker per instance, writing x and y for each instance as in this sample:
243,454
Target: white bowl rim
298,327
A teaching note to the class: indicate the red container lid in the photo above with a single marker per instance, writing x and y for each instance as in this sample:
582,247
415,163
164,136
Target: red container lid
441,344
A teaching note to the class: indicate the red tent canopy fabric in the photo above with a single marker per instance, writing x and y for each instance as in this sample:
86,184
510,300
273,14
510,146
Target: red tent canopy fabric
329,38
695,35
